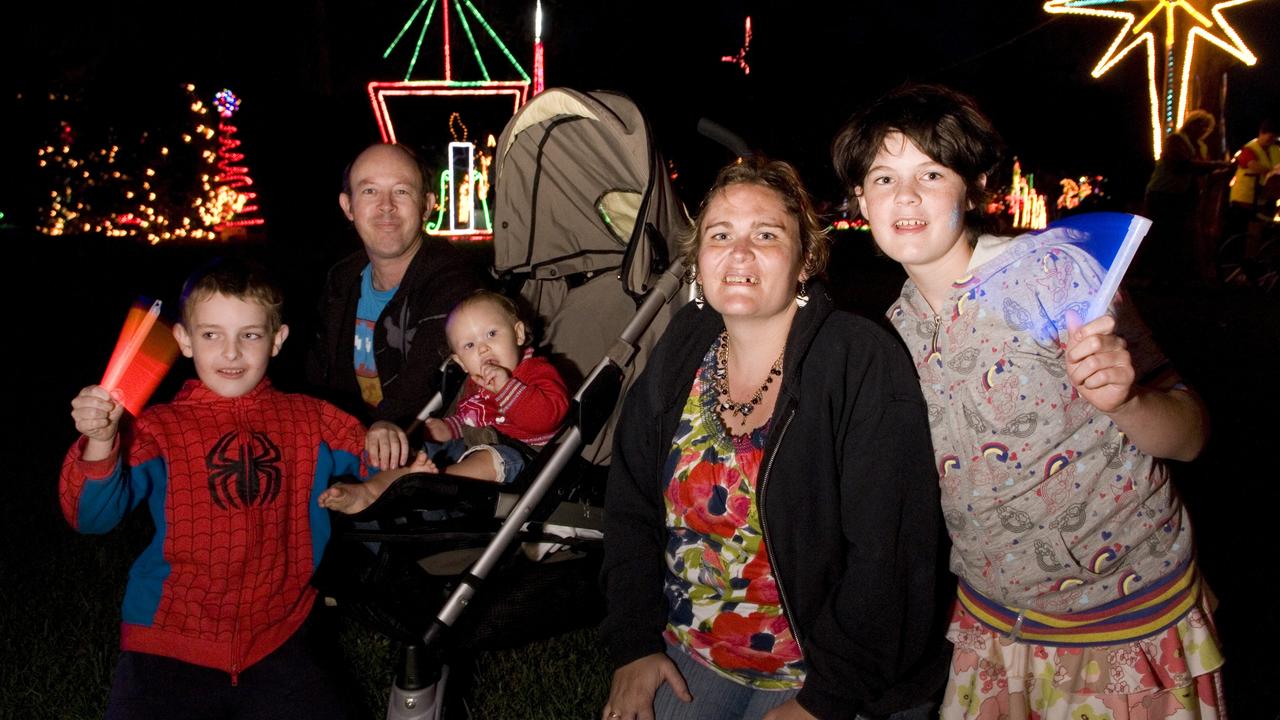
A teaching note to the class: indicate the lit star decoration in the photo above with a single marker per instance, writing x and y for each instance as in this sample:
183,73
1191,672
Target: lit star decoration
1182,22
741,58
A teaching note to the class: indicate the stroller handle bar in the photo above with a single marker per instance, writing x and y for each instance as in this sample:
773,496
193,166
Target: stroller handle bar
433,405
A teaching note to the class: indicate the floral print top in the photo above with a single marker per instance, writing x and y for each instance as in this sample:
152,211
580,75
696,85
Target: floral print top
1049,505
725,609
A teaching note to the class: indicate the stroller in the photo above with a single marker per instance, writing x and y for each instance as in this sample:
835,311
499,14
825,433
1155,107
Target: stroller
585,222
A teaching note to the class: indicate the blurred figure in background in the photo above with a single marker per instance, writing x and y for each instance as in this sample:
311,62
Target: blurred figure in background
1171,253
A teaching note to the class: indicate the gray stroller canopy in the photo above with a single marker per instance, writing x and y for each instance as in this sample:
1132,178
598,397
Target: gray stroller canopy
577,180
585,213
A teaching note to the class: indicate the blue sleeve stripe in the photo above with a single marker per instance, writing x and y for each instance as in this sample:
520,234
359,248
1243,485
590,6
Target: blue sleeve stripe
150,570
330,463
104,503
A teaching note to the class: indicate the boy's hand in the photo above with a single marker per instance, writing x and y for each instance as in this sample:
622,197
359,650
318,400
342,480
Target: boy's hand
97,414
387,445
494,377
438,430
1098,363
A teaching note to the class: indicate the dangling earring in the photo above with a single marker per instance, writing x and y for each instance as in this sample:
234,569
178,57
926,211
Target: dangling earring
691,276
802,294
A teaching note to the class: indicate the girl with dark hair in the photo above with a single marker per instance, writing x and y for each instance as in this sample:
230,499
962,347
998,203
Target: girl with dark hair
1079,594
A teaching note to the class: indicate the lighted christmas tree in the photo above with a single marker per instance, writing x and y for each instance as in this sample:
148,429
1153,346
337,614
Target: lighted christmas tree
233,204
155,190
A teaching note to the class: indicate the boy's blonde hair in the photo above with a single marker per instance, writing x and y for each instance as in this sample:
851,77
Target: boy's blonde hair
236,278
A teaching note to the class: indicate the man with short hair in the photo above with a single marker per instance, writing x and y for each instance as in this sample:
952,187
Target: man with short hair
380,333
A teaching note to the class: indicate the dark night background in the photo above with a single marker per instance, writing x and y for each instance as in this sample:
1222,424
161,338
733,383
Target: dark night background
301,71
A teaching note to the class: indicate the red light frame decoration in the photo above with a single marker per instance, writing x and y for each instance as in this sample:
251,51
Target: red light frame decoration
380,90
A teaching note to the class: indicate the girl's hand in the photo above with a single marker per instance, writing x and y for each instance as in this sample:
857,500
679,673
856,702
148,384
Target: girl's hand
635,684
789,710
387,445
97,416
438,430
1098,363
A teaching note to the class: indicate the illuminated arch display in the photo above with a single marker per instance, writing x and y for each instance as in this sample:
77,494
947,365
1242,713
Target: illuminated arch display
1169,30
465,14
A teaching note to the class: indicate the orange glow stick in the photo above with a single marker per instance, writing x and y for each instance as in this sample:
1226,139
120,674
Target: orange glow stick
143,354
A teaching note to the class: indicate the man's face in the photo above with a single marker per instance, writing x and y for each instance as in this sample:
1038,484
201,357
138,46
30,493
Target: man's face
1266,139
388,202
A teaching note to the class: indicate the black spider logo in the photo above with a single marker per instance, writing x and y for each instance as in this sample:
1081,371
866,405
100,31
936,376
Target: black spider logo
252,475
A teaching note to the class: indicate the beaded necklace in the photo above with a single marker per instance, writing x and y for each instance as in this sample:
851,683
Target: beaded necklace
726,403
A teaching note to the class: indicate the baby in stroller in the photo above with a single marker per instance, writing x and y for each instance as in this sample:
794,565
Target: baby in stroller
513,402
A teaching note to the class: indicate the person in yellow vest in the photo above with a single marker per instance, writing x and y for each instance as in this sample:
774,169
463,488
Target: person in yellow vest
1257,161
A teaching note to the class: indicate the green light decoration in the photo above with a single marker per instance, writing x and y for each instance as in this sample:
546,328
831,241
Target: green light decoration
461,8
498,41
433,226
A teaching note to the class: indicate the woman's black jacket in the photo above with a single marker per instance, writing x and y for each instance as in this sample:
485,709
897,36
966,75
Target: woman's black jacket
848,498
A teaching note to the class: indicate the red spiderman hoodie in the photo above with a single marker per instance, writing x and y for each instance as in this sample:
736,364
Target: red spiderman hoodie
232,485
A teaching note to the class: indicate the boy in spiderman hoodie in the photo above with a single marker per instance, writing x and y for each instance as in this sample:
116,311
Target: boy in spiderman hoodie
231,470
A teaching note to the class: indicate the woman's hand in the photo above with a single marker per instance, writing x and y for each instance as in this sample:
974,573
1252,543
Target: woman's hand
789,710
636,683
387,445
1098,363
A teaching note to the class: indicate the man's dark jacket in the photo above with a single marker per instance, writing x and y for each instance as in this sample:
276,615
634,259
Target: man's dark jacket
408,339
848,498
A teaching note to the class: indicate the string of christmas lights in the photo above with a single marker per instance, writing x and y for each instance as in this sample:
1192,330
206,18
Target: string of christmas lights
157,191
